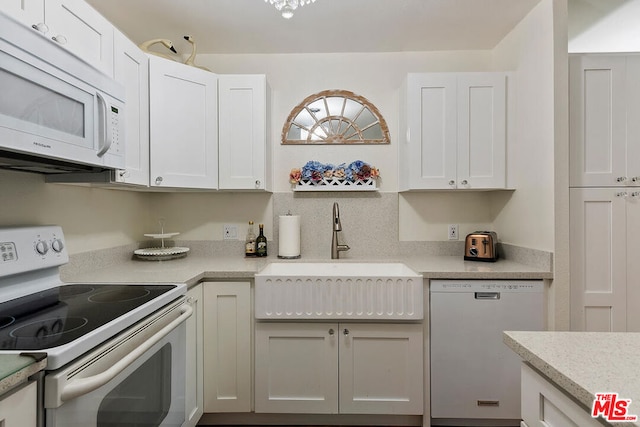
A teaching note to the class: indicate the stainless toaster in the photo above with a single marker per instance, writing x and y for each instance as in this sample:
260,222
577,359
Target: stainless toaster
481,246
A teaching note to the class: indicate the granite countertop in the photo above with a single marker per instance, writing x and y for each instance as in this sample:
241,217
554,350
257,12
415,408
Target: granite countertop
585,363
197,267
16,369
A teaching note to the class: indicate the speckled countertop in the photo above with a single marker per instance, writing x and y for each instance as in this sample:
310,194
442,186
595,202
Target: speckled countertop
195,268
16,369
585,363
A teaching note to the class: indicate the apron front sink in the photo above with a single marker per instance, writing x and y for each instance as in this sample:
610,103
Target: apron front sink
338,291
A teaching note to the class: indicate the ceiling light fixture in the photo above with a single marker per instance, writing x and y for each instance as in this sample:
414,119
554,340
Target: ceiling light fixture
287,7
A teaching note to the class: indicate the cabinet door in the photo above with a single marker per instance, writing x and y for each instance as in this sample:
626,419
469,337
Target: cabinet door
633,266
431,134
19,409
381,369
227,347
194,391
597,121
633,119
482,129
131,69
82,30
544,405
296,368
183,121
598,238
29,12
242,104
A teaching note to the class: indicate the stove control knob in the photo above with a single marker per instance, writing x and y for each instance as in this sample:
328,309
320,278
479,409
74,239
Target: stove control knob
42,248
57,245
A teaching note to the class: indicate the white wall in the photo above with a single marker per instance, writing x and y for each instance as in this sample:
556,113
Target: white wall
377,77
110,218
604,26
526,217
91,218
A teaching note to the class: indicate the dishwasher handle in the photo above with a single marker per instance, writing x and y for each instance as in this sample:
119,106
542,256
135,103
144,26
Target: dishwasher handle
487,295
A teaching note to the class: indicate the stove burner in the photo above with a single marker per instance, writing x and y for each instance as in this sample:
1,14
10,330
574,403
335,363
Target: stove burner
72,291
120,294
6,321
46,328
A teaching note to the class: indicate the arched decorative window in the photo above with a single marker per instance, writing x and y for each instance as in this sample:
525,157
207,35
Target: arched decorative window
335,117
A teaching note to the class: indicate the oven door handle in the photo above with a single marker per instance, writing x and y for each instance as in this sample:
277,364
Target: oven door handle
83,386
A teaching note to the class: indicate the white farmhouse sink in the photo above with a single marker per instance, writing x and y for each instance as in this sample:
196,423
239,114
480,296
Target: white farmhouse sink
338,291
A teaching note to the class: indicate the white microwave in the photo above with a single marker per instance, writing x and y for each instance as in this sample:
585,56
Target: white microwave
57,112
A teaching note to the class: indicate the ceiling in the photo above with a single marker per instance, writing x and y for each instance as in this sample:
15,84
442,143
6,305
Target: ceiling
253,26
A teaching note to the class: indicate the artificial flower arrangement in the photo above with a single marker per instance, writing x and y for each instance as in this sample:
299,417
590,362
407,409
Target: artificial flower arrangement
316,173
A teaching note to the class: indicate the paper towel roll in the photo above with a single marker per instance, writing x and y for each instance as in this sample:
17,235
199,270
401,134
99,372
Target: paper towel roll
289,236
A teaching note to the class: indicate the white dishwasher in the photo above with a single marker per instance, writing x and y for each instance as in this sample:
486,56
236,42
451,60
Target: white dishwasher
474,376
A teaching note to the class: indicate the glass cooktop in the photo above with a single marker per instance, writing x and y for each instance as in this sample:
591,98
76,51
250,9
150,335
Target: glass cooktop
62,314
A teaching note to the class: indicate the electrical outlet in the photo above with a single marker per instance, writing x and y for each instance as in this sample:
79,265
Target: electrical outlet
453,231
230,232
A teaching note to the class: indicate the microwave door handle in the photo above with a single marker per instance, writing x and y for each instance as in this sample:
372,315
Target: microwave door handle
104,137
82,386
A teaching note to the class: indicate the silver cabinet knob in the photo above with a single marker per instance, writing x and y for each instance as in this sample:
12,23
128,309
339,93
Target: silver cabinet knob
41,27
621,194
345,332
621,179
159,180
60,39
331,332
257,183
452,182
464,182
635,194
635,179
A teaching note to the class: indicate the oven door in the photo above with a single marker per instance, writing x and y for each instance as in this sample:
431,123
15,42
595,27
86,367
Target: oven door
137,379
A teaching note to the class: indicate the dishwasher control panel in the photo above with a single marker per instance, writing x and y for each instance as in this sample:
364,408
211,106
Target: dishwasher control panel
486,286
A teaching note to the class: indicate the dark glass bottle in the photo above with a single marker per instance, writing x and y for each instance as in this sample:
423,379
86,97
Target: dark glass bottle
261,243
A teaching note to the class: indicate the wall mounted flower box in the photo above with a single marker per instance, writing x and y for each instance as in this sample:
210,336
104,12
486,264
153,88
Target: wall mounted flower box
316,176
337,184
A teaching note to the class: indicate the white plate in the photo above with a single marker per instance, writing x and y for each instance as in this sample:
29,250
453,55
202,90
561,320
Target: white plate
162,236
161,254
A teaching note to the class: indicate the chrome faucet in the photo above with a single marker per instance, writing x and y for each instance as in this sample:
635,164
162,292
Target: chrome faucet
336,248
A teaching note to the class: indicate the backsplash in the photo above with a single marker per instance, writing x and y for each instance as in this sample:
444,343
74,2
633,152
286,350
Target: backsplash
369,226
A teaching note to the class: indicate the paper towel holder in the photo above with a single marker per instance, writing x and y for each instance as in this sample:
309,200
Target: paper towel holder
287,256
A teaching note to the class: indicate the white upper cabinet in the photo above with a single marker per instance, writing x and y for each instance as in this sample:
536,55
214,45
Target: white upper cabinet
73,24
243,138
604,120
183,123
131,69
29,12
455,131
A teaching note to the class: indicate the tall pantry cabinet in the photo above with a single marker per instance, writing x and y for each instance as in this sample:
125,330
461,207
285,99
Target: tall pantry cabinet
605,192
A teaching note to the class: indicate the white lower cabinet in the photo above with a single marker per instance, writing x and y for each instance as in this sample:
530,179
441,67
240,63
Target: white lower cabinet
19,408
346,368
195,365
227,346
544,405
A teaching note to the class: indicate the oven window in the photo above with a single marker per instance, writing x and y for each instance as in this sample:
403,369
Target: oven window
143,399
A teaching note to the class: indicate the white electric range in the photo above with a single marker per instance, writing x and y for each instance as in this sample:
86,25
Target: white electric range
101,340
